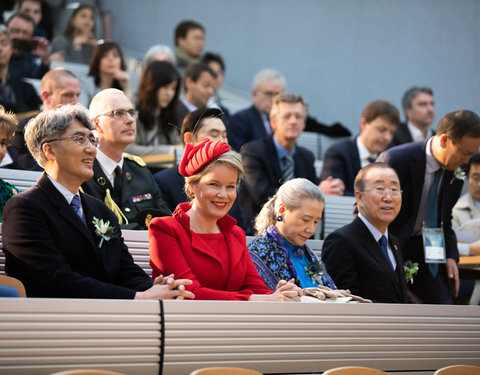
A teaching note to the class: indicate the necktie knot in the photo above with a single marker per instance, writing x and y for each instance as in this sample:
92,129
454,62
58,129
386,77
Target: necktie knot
75,204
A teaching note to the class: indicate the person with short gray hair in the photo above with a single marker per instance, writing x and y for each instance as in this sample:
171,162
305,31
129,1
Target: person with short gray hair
283,226
419,108
62,243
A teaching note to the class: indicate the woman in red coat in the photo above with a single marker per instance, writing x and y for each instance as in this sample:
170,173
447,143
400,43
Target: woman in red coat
201,242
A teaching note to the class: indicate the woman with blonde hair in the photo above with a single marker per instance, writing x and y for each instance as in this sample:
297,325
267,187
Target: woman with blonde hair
285,223
8,124
201,242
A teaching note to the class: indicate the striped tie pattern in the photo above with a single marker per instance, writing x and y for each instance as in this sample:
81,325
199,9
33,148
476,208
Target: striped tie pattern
287,173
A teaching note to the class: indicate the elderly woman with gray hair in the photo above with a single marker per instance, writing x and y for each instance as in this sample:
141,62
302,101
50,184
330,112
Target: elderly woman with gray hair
284,224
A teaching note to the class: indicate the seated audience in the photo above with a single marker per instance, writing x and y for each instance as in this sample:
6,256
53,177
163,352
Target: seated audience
254,123
419,109
58,87
201,242
198,87
216,63
364,256
33,8
344,159
121,180
468,207
31,54
284,225
157,105
60,242
16,95
8,123
108,69
198,125
159,52
271,161
189,43
78,40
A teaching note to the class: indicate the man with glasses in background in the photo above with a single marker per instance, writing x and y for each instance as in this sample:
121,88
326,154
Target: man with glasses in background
363,256
432,180
62,243
121,180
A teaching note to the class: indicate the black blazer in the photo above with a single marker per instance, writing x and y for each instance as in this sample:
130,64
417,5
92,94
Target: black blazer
54,254
409,161
245,126
402,135
342,161
263,174
355,261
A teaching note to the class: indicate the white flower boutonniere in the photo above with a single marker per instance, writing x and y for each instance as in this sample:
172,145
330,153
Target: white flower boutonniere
410,269
103,230
458,174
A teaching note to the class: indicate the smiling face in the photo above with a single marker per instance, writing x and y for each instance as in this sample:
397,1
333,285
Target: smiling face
165,94
299,224
378,208
71,162
215,192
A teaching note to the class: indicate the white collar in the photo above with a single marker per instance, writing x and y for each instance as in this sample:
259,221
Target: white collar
374,231
108,165
67,194
363,153
416,133
432,164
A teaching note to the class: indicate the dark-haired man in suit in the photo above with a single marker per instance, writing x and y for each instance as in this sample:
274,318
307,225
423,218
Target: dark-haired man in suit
430,190
344,159
363,256
62,243
270,161
419,108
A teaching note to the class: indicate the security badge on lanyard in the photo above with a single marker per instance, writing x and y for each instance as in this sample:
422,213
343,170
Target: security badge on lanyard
433,238
434,245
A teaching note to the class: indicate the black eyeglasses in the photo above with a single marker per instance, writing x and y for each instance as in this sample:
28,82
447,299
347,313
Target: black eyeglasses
80,139
120,113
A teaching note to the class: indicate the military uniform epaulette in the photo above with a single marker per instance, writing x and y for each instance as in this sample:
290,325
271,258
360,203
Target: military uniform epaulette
135,158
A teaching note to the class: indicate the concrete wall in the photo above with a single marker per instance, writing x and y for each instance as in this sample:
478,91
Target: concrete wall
340,54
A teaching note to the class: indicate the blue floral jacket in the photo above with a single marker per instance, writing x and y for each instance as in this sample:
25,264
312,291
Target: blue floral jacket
273,262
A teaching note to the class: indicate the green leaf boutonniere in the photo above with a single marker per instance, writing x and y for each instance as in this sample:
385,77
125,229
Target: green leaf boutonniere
314,271
410,269
104,230
458,174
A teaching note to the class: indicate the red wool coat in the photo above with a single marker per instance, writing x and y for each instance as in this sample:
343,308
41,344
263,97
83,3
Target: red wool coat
175,249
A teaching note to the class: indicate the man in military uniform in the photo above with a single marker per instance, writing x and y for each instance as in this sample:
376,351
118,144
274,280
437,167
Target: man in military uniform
121,180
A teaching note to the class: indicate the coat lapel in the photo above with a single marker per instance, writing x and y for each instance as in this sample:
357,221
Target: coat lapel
272,155
58,201
417,175
373,248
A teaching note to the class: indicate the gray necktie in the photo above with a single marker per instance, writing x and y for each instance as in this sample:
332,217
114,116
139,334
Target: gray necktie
287,173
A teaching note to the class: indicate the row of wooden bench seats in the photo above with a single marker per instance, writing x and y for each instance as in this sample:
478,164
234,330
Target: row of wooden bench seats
41,336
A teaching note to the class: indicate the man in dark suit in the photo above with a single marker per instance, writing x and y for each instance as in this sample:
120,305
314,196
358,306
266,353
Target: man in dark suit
253,122
121,180
429,175
270,161
419,108
60,242
198,87
59,86
363,256
344,159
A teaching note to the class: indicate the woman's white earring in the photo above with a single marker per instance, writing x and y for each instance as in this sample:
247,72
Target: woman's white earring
279,218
